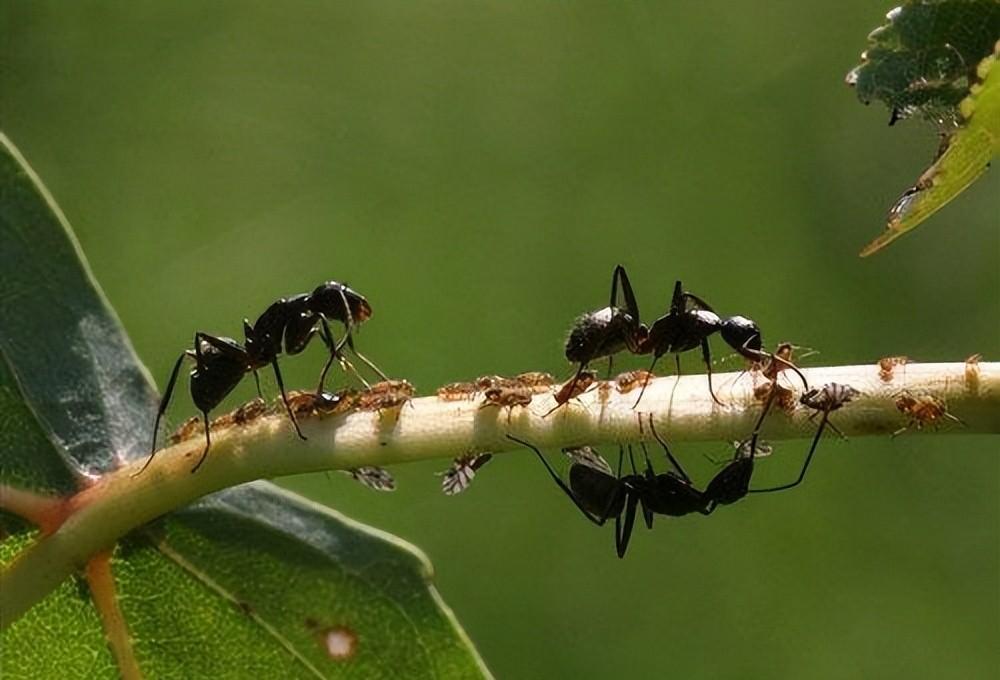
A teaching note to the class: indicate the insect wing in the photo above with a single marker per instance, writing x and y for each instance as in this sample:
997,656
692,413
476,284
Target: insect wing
375,478
585,455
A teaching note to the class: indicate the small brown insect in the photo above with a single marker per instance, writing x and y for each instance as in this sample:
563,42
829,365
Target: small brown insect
509,396
373,477
922,409
742,449
459,476
538,381
574,388
457,391
190,428
487,381
628,381
972,373
252,410
827,399
887,366
302,403
387,394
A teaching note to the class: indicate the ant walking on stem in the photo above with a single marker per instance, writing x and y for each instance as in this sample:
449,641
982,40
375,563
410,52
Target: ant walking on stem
289,324
689,323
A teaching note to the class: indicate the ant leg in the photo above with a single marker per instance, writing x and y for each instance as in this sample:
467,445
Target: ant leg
284,398
645,381
706,355
208,443
624,533
328,341
666,450
677,300
348,321
631,306
367,362
559,481
256,380
805,466
611,362
164,402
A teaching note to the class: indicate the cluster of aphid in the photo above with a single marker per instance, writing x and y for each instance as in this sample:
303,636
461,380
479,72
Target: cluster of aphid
289,324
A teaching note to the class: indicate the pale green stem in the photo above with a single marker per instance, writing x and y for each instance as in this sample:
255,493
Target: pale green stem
432,428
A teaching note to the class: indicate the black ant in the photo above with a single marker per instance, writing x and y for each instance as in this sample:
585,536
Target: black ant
689,323
600,495
825,400
605,332
221,363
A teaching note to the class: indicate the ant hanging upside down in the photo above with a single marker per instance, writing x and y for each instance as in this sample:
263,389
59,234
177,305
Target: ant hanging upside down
289,324
601,495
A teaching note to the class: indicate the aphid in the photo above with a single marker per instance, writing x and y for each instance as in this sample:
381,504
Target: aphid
459,476
242,415
762,449
538,381
922,409
689,323
507,396
373,477
188,430
388,394
485,382
574,388
605,332
302,403
628,381
887,366
824,400
457,391
250,411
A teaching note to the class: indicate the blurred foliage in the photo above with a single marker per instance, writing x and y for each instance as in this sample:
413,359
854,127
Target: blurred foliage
934,58
923,60
256,578
476,170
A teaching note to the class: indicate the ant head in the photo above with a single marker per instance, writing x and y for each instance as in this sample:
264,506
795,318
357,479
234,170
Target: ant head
743,335
329,300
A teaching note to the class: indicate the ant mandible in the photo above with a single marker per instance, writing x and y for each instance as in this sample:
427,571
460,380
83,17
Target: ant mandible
221,363
604,333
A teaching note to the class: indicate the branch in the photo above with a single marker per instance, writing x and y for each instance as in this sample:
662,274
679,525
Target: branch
430,427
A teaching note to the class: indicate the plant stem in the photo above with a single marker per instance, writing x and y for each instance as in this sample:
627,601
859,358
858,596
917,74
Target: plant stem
429,427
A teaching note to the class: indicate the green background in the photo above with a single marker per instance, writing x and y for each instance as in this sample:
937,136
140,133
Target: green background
476,170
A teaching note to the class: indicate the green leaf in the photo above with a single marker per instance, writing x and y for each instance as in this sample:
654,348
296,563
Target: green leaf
934,59
252,581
